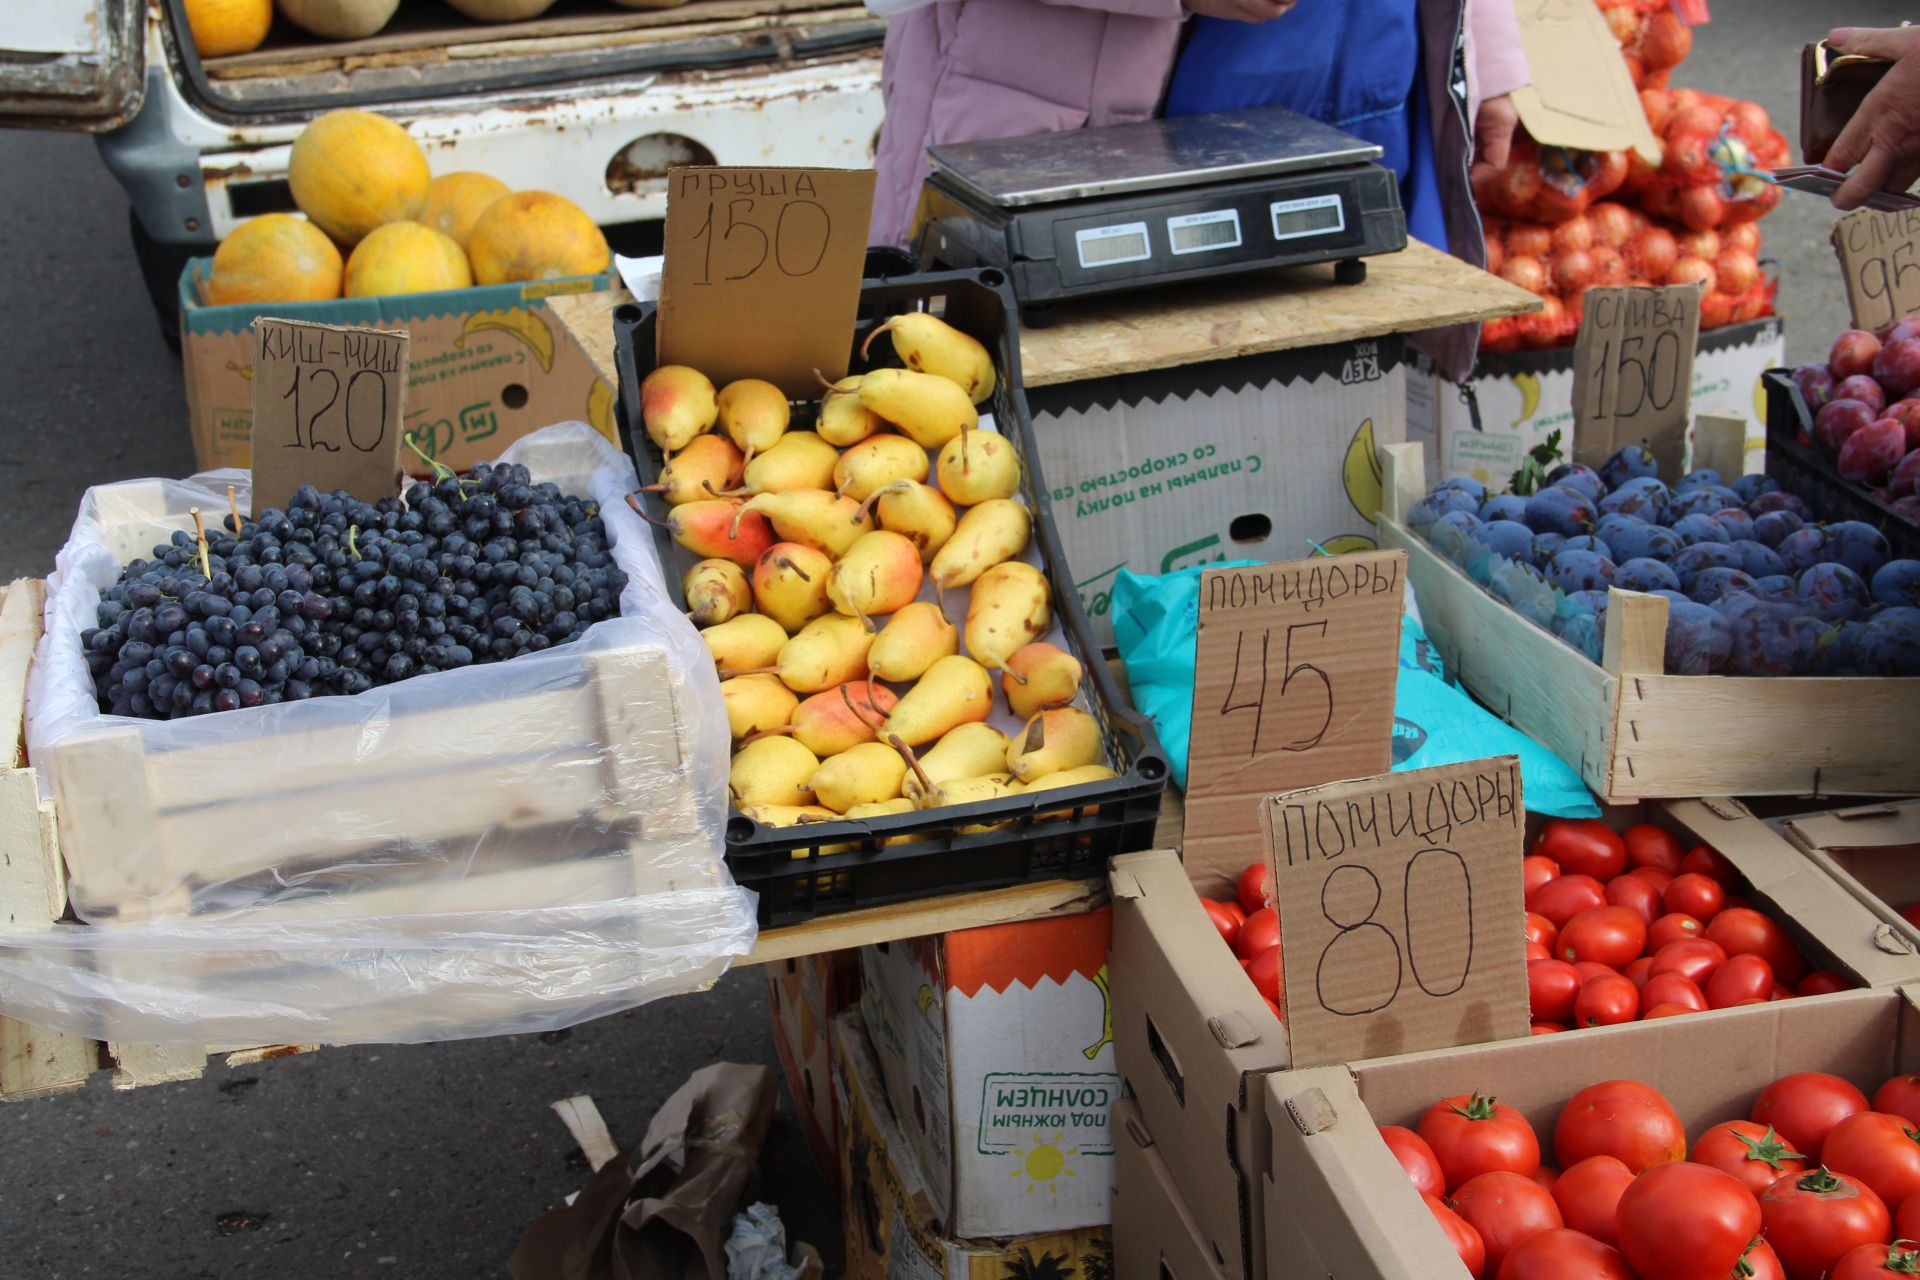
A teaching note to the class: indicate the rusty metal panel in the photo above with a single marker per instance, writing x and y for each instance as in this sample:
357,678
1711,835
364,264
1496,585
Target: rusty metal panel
85,72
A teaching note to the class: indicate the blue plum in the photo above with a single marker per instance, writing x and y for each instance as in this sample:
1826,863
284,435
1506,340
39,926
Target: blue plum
1700,527
1503,506
1629,462
1834,592
1698,639
1765,639
1467,485
1859,546
1437,504
1698,479
1890,642
1767,503
1759,559
1804,548
1455,534
1751,487
1562,510
1777,586
1702,501
1645,575
1587,542
1710,584
1737,523
1702,556
1545,547
1897,582
1576,476
1773,527
1573,570
1507,538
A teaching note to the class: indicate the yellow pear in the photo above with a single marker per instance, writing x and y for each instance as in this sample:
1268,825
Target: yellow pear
887,809
844,420
914,638
788,815
876,461
994,531
829,651
716,590
708,466
676,404
866,774
978,466
1069,778
718,529
1010,607
924,406
790,584
954,691
819,519
753,413
744,643
965,751
929,344
1054,741
797,460
918,512
772,771
755,704
968,791
1038,676
845,716
878,574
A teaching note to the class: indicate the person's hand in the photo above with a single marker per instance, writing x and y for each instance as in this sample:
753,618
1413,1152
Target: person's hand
1493,130
1880,147
1240,10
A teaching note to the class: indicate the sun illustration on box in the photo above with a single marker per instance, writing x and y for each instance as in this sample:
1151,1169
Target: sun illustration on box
1045,1164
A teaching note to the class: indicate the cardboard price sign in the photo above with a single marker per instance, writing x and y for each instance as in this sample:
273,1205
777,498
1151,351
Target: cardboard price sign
1880,264
762,272
1398,896
1295,666
329,405
1633,372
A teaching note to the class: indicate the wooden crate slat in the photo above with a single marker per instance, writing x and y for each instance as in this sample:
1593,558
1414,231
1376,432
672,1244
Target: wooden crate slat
639,713
138,1065
20,611
35,1062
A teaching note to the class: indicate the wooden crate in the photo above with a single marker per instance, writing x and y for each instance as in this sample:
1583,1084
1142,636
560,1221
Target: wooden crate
1634,732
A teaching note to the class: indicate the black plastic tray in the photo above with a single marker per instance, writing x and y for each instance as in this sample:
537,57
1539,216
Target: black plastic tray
1805,471
785,865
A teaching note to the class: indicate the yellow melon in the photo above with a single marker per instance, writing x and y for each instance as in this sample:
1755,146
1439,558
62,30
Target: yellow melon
405,257
228,26
455,202
535,235
275,257
339,19
352,170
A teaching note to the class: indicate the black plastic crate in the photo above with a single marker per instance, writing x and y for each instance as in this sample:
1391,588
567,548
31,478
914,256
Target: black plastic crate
1803,470
821,868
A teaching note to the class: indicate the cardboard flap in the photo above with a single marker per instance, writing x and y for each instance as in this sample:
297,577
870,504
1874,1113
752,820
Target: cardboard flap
1311,1111
1581,95
1887,826
1889,940
1233,1030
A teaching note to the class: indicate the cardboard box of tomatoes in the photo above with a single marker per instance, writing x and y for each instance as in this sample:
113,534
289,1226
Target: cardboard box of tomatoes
1194,1037
1154,1234
1873,850
1773,1143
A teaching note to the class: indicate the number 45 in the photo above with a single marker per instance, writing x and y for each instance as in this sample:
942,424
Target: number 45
1290,672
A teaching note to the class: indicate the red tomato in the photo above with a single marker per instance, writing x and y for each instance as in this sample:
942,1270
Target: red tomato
1692,958
1565,897
1868,1261
1696,895
1750,1152
1803,1107
1227,917
1824,982
1275,1009
1606,1002
1264,969
1740,978
1542,930
1760,1262
1704,859
1654,876
1665,1010
1536,871
1620,1118
1742,931
1651,846
1779,993
1506,1208
1812,1219
1684,1221
1906,1219
1537,952
1589,1192
1583,847
1637,896
1639,971
1899,1096
1612,936
1254,888
1591,969
1552,986
1461,1235
1881,1151
1547,1028
1416,1157
1673,988
1675,926
1261,931
1561,1254
1736,900
1471,1134
1547,1176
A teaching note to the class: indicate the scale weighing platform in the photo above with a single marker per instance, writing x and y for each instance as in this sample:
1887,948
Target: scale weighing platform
1125,207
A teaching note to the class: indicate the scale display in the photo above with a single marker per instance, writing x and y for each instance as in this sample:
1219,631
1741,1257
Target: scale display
1203,232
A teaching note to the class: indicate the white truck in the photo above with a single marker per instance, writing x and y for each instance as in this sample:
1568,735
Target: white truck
590,100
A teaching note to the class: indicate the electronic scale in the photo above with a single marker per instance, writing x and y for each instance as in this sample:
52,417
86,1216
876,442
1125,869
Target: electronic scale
1122,207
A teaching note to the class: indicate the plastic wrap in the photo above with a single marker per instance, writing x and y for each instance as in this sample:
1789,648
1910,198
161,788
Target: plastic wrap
504,848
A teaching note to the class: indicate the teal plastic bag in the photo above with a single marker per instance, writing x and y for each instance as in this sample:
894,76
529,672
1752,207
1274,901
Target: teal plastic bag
1155,618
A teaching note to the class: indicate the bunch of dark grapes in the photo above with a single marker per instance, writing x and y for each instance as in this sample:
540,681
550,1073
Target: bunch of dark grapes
337,596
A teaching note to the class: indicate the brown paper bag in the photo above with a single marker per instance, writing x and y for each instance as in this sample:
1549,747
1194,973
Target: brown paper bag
664,1209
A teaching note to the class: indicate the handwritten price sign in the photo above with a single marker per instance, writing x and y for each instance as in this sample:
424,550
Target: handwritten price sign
762,274
1295,668
1880,264
328,402
1633,372
1397,899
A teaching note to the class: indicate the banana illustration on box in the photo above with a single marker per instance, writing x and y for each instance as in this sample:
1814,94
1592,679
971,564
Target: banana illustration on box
1529,388
600,409
1106,1030
1360,472
523,324
924,999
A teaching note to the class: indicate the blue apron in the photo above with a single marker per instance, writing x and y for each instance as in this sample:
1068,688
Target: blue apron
1353,64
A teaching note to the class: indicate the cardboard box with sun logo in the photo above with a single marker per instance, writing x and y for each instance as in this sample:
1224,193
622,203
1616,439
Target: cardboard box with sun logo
803,996
894,1231
996,1045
